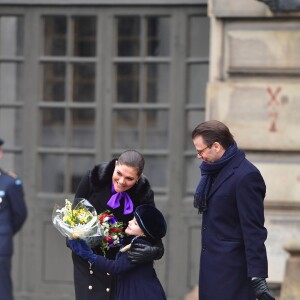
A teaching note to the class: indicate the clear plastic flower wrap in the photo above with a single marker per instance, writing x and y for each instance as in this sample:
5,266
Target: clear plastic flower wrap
80,221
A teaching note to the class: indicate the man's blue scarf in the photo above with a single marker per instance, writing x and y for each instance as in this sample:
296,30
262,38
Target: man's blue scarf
208,173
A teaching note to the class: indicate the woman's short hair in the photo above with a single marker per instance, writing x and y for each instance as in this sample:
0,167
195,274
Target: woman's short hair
132,158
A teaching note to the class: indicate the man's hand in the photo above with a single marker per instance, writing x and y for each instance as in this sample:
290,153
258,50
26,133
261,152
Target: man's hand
141,253
261,289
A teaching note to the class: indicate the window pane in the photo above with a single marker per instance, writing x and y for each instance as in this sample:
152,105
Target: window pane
13,161
192,175
11,36
55,35
156,171
198,36
157,83
155,129
52,129
11,126
127,81
158,36
194,118
54,81
83,128
53,170
128,36
125,133
197,80
10,82
79,164
84,82
84,36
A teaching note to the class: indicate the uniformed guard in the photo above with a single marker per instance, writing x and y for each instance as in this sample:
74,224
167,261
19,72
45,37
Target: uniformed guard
13,213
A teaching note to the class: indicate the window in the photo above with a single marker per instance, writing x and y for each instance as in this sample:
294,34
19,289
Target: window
67,101
11,80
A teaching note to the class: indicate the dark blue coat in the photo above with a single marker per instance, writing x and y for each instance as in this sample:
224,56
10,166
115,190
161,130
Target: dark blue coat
13,211
233,234
13,214
132,281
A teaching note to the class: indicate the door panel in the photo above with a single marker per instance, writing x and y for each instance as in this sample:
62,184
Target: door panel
100,80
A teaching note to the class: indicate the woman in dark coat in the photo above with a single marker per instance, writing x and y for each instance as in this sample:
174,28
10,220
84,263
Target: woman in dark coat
117,186
133,281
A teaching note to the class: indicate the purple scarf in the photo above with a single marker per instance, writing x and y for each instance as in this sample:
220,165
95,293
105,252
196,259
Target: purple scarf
114,201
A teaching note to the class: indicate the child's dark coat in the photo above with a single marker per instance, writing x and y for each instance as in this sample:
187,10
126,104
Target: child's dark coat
133,281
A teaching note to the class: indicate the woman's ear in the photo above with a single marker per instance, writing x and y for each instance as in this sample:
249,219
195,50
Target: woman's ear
139,178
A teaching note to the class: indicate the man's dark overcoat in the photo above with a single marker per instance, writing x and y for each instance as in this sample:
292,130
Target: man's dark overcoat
133,281
96,187
233,234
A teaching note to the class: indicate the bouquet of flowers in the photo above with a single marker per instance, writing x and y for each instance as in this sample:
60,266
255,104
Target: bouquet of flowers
79,222
112,231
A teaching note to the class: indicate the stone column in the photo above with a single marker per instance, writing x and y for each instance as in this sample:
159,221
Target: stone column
290,289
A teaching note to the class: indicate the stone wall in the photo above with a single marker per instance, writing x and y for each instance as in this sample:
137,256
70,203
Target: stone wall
254,89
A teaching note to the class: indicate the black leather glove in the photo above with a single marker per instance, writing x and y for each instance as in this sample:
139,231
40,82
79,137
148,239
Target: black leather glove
261,289
141,253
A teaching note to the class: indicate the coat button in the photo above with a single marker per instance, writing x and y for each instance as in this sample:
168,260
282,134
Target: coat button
90,287
108,289
91,272
107,274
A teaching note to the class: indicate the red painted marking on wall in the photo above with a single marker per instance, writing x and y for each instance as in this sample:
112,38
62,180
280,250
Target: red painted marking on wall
273,96
273,104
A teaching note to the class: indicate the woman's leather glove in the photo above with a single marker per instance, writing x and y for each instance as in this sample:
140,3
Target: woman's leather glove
81,248
261,289
141,253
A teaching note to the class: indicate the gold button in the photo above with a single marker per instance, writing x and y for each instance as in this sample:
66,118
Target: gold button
91,272
90,287
108,289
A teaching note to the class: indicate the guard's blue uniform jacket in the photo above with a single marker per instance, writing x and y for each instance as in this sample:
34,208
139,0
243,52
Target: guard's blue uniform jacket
13,213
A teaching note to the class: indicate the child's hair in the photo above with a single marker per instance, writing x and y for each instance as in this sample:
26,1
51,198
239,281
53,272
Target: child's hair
132,158
151,221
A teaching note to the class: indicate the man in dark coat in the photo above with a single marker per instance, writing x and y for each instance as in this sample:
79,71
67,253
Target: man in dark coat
230,195
13,214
